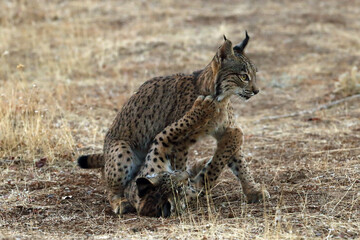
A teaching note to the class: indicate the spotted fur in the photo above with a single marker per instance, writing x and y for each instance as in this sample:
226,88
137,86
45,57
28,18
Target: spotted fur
146,148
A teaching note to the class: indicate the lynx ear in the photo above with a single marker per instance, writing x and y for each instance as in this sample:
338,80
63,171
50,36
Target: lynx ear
241,46
224,51
145,185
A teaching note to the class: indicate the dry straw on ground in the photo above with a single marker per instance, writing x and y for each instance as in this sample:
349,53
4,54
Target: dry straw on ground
67,67
349,82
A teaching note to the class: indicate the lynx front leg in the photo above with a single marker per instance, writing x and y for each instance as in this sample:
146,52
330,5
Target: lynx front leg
228,152
177,137
119,204
251,189
228,145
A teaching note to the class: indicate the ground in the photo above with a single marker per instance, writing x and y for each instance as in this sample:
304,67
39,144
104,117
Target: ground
67,67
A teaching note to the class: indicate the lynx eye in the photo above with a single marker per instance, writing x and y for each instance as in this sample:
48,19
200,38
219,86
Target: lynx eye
244,77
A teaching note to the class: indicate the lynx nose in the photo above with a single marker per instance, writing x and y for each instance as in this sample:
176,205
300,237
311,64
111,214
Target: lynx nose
256,91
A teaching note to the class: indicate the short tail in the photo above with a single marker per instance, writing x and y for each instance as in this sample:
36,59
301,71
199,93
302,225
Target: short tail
91,161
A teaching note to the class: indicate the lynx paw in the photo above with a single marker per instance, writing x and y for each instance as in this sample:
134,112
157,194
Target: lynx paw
257,196
205,108
121,206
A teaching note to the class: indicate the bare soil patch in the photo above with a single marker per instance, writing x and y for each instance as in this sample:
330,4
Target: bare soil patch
67,67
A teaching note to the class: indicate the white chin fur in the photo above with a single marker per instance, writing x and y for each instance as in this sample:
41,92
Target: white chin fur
220,98
242,98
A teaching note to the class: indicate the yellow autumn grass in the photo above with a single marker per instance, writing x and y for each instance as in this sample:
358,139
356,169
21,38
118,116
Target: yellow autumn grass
348,83
67,67
32,124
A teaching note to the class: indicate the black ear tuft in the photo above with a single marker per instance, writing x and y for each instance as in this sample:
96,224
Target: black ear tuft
144,186
241,46
82,161
224,37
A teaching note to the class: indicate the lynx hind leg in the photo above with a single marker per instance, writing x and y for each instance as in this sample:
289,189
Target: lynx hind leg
251,189
120,168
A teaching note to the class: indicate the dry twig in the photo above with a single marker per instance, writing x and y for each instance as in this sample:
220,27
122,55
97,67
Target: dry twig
311,111
336,150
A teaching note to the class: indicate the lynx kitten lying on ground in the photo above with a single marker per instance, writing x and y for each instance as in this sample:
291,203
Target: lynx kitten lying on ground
146,148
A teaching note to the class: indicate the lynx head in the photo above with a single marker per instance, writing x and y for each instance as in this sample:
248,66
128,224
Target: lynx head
159,193
234,73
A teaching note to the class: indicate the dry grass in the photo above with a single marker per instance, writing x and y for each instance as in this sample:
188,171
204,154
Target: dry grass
67,67
349,83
